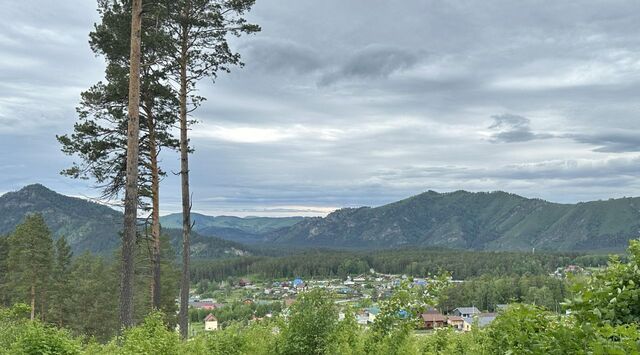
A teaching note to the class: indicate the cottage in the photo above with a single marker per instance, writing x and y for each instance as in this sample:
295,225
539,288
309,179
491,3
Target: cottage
210,322
433,319
456,322
465,312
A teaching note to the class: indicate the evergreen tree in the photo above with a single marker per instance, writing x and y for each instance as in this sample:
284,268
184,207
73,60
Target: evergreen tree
62,287
4,272
30,260
199,29
100,137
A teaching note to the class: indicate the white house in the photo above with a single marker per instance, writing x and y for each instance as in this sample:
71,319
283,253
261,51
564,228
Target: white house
210,323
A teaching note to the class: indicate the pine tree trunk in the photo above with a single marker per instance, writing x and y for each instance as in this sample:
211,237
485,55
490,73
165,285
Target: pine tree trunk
155,210
131,189
183,317
33,301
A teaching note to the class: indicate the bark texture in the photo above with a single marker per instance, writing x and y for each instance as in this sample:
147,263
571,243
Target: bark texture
131,189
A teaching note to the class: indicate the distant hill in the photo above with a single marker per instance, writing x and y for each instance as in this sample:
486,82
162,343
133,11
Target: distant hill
465,220
86,225
480,221
239,229
89,226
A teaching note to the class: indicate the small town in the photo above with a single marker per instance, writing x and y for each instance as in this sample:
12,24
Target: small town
357,295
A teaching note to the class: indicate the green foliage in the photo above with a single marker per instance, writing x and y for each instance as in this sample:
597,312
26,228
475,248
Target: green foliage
150,338
611,296
311,325
30,260
414,262
18,335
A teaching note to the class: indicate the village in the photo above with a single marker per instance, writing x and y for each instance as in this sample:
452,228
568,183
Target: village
253,300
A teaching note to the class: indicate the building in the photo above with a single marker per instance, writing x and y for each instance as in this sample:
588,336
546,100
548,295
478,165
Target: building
457,323
433,319
210,322
465,312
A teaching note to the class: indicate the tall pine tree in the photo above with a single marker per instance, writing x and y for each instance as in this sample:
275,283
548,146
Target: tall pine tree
199,29
30,260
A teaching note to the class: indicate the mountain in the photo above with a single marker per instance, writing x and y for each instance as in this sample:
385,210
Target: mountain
86,225
238,229
480,221
89,226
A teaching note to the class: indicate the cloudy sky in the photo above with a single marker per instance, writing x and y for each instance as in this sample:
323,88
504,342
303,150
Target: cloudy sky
362,102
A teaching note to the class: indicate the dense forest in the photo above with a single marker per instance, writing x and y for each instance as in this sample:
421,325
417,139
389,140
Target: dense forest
414,262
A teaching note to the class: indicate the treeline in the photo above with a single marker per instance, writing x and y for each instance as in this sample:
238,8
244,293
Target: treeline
77,293
486,292
420,262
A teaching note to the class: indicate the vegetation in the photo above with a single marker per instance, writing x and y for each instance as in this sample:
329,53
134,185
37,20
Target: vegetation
413,262
480,221
596,325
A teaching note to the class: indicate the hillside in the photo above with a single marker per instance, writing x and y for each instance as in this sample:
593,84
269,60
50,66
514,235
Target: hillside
90,226
86,225
238,229
480,221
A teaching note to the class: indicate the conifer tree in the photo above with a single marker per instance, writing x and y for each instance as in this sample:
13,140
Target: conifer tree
199,29
100,136
30,260
62,287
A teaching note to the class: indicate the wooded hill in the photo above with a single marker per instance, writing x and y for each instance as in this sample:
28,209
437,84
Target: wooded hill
90,226
478,221
464,220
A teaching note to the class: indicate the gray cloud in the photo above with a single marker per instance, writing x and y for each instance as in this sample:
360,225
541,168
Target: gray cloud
362,102
612,142
509,128
276,56
372,62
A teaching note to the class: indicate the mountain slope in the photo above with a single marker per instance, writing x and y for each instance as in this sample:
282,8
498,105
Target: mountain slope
90,226
481,221
86,225
239,229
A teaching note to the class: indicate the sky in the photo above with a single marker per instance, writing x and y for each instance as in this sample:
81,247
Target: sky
361,103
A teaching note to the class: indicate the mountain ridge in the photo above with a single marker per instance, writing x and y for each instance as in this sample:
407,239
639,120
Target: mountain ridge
474,220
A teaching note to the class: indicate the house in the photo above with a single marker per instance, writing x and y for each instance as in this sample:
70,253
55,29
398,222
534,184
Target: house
210,322
481,319
433,319
298,283
209,306
362,318
465,312
484,319
372,312
244,282
456,322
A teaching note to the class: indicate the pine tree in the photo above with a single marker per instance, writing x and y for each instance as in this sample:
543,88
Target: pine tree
62,288
100,136
30,260
200,29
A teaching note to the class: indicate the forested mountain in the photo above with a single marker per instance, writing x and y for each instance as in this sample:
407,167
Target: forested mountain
480,221
239,229
86,225
89,226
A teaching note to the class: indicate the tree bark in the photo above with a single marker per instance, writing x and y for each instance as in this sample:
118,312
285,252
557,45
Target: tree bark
131,189
183,316
155,210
